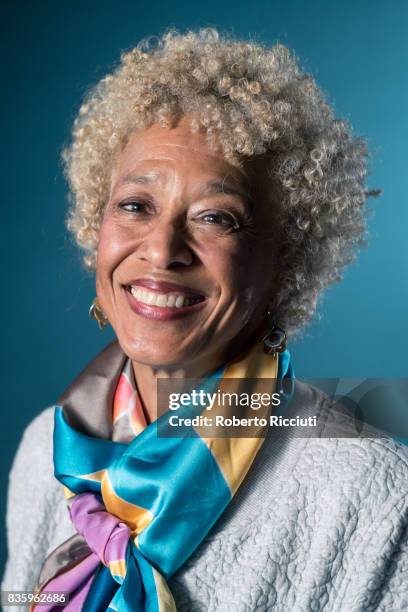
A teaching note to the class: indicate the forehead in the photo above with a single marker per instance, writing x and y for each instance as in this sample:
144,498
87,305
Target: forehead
157,149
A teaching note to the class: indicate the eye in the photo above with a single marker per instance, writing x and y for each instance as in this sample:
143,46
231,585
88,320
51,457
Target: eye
222,220
134,206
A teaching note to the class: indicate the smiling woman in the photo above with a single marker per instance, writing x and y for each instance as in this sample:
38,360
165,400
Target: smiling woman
179,242
216,196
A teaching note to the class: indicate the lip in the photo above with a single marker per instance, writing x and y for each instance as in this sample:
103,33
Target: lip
160,313
164,287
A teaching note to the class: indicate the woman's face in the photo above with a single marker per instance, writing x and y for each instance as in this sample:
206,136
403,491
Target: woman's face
185,254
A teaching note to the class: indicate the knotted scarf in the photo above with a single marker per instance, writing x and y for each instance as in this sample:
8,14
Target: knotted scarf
141,502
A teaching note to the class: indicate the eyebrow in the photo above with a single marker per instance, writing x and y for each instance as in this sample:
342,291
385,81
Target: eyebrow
140,180
223,186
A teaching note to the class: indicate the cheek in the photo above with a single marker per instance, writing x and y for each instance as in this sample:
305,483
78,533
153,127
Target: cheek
112,247
222,260
243,274
111,252
231,267
105,237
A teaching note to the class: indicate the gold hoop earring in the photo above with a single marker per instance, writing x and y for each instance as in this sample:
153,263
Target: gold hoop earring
96,313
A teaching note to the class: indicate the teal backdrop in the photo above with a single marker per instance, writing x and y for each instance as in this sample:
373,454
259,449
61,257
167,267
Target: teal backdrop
53,51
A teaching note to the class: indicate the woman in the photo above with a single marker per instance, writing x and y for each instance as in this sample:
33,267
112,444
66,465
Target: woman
216,196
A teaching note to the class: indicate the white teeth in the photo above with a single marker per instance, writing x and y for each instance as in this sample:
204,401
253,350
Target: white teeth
162,300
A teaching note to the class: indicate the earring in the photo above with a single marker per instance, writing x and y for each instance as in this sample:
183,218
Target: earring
275,340
96,313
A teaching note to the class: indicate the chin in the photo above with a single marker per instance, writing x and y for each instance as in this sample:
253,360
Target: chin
157,354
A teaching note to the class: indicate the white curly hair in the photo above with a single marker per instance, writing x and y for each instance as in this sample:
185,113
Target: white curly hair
252,101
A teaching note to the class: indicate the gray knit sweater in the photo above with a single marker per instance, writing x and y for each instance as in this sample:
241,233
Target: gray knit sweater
318,524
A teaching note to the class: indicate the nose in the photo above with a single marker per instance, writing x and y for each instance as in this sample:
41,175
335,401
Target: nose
165,246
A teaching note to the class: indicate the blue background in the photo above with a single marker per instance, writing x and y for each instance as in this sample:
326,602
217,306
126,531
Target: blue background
52,52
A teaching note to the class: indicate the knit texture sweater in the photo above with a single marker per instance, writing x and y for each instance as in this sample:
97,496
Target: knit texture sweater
318,524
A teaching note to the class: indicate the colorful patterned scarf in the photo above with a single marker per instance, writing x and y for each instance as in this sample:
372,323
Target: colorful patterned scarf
141,503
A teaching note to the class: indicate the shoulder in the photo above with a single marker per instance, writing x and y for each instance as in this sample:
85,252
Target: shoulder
357,492
34,500
35,447
330,465
346,447
331,471
41,425
32,472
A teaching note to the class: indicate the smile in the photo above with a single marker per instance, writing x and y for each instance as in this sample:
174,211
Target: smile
163,300
163,303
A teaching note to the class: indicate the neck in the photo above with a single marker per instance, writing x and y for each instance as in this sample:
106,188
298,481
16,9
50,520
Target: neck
146,375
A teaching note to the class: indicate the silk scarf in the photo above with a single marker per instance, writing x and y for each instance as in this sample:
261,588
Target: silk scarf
141,503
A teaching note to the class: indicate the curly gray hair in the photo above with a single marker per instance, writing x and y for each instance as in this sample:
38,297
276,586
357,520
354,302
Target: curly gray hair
252,101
